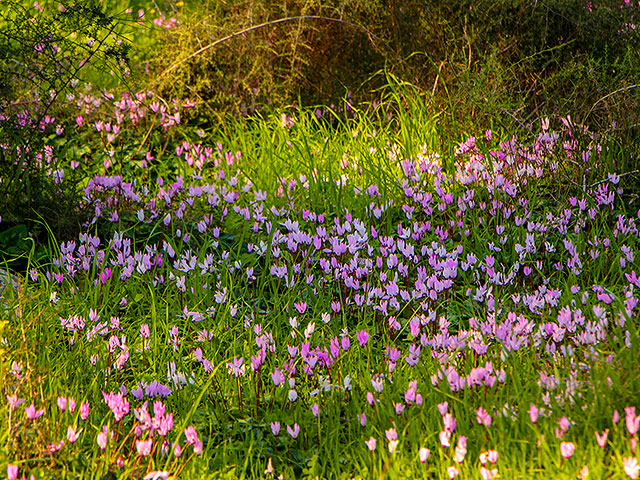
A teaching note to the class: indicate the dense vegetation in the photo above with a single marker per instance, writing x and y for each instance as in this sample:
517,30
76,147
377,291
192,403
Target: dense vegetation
353,239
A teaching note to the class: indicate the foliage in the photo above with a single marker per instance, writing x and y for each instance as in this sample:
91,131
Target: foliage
43,52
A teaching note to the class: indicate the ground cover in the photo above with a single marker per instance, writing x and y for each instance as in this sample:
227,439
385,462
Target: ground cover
270,311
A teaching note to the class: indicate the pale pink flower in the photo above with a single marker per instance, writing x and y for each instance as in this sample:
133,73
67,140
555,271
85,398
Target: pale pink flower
631,467
633,422
32,413
567,449
12,472
84,411
601,438
72,435
371,443
487,474
144,447
452,472
584,472
445,436
533,413
423,454
483,417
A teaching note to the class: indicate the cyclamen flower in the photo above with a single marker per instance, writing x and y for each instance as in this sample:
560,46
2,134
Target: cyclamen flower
293,430
533,413
371,443
423,454
452,472
144,447
631,467
601,438
483,417
567,449
633,422
487,474
84,411
72,435
32,413
12,472
275,428
363,337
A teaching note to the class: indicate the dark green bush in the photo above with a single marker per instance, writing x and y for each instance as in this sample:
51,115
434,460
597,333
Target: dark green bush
485,62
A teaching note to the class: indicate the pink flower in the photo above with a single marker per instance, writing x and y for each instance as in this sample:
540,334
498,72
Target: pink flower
144,447
564,424
371,444
633,422
602,438
12,472
631,467
452,472
14,401
567,449
62,403
445,436
84,411
72,435
363,337
32,413
275,428
483,417
533,413
423,454
461,450
487,474
191,434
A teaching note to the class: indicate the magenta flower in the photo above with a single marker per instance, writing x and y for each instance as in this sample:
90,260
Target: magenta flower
567,449
301,307
62,403
363,337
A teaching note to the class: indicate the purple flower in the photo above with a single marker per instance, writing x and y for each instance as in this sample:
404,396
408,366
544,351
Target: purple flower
293,430
363,337
275,428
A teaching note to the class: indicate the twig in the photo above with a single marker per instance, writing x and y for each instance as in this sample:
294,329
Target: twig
620,175
267,24
623,89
